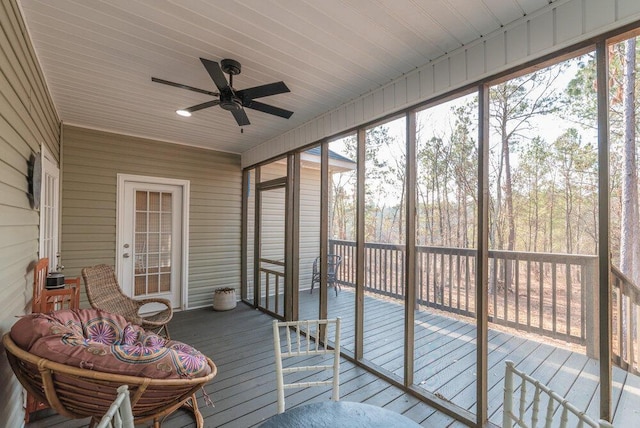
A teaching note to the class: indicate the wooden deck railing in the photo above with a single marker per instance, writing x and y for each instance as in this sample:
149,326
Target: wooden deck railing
554,295
626,322
271,275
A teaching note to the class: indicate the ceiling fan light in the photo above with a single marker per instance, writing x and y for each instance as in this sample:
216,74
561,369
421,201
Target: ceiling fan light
183,113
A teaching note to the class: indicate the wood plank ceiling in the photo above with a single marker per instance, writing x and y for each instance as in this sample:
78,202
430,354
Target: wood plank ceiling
98,57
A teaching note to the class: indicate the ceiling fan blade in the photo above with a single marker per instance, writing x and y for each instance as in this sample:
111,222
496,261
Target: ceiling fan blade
263,91
203,105
241,117
266,108
214,70
180,85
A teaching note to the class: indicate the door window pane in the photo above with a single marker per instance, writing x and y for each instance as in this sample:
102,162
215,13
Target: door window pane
153,212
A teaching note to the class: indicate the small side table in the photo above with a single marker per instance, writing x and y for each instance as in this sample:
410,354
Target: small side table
49,301
60,298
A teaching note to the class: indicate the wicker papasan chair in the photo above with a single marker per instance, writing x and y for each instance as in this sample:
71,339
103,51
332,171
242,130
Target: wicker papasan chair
75,360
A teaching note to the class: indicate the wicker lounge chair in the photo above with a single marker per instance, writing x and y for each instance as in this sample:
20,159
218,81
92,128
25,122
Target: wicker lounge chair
79,393
104,293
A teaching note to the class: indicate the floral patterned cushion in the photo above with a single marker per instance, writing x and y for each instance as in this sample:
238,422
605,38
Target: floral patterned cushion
100,341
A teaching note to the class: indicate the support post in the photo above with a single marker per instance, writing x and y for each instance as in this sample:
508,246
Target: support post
482,257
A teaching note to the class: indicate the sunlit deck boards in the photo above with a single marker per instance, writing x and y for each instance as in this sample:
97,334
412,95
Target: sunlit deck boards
446,357
240,343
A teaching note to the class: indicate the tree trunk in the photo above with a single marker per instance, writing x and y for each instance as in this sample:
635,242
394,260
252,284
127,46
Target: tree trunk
629,215
508,198
629,220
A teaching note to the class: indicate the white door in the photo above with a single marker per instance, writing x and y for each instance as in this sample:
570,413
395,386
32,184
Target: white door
49,206
151,228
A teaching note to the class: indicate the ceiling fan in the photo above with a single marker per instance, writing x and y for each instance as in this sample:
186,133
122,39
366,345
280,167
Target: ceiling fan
229,98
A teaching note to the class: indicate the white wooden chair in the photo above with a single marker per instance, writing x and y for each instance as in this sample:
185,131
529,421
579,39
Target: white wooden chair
527,414
119,414
299,348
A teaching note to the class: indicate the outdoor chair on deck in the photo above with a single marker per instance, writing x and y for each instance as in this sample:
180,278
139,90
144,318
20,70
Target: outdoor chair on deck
104,293
558,412
76,360
333,263
300,348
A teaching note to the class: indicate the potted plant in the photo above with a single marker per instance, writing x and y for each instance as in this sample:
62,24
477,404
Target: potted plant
224,299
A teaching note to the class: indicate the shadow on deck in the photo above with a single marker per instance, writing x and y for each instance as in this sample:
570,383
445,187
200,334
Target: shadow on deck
445,356
240,343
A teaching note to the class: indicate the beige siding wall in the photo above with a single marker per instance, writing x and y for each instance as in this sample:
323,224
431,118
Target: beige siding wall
27,120
91,161
309,223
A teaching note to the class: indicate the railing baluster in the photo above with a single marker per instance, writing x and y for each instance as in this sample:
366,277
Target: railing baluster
635,363
528,295
369,267
428,273
583,304
554,299
442,279
391,268
267,292
568,288
541,298
495,289
377,272
507,281
450,262
629,334
466,283
386,279
457,256
382,277
276,292
399,272
423,280
618,306
517,292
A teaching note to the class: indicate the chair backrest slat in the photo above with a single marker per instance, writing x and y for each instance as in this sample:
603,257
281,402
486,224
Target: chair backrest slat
311,339
553,402
119,414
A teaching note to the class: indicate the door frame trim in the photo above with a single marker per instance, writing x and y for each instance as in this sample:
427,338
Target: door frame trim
120,217
49,164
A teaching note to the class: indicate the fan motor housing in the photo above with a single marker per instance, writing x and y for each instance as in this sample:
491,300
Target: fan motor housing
231,104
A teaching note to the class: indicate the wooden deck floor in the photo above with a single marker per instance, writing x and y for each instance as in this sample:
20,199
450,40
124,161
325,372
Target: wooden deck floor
240,343
445,357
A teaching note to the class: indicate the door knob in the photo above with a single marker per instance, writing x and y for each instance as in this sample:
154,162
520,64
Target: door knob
125,255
